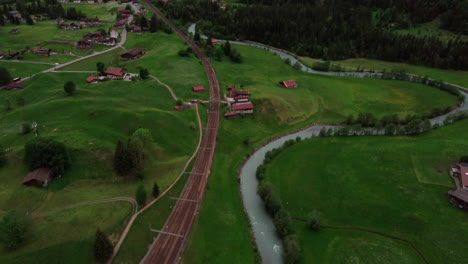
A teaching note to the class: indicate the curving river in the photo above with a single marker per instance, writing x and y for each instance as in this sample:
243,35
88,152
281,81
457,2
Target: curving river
268,243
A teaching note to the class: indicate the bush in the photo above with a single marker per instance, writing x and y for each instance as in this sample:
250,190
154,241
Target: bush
2,156
14,229
283,223
44,152
155,190
5,77
291,250
314,220
69,87
102,247
269,197
25,128
464,159
183,53
260,173
122,159
140,194
144,73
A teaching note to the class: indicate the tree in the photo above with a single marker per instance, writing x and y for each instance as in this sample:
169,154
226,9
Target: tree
25,128
179,102
5,77
291,250
40,152
155,190
122,160
314,220
100,68
143,22
140,194
227,49
464,159
14,229
236,56
69,87
283,223
128,7
102,247
29,20
144,73
153,24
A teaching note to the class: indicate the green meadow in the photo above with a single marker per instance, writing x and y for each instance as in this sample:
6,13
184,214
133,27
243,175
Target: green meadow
222,226
392,185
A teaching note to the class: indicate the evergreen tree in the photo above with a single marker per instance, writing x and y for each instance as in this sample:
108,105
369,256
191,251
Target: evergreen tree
153,24
227,49
155,190
100,68
29,20
102,247
140,194
5,77
69,87
143,22
122,160
144,73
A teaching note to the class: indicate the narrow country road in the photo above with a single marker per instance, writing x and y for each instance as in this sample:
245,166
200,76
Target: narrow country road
167,86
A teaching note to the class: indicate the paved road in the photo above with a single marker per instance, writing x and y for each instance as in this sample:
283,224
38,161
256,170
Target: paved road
169,244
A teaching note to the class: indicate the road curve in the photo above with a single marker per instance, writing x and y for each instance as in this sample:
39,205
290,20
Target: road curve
168,246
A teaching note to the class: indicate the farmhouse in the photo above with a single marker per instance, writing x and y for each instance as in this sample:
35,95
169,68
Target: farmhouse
459,197
245,107
92,79
40,176
289,84
198,89
14,86
114,33
115,73
132,54
121,23
41,51
122,10
14,53
135,29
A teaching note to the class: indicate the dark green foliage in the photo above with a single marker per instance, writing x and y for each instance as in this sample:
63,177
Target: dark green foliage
144,73
236,56
260,172
128,7
247,141
153,24
46,152
313,220
283,223
69,87
179,102
270,198
140,194
25,128
291,250
464,159
122,159
29,20
155,190
143,22
5,77
183,53
2,156
20,101
102,247
14,229
100,68
227,49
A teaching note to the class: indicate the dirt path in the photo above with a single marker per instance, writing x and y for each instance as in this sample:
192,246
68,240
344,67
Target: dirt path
130,223
167,86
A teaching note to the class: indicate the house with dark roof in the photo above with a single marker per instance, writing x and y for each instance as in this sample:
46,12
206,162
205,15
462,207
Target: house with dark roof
198,88
122,10
40,176
13,53
459,197
132,54
41,51
289,84
115,73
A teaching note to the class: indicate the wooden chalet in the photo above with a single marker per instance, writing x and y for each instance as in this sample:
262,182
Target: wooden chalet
40,177
132,54
41,51
115,73
289,84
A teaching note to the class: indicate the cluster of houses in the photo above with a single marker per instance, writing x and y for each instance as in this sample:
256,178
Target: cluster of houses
84,23
238,102
124,14
97,38
459,197
36,50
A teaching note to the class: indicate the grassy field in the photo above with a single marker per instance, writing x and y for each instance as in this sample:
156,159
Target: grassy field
393,185
452,76
99,114
106,12
19,69
222,226
161,59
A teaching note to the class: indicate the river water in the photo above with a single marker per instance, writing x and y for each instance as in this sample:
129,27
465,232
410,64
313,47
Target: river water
268,243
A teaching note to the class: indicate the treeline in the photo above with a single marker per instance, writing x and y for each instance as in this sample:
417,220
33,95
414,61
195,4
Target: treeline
333,30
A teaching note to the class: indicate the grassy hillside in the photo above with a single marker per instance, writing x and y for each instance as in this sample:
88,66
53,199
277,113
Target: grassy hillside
393,185
319,99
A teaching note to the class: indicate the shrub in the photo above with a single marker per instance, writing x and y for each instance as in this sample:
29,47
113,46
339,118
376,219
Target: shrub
283,224
260,173
122,159
2,156
291,250
14,229
102,247
25,128
183,53
269,197
69,87
314,220
144,73
155,190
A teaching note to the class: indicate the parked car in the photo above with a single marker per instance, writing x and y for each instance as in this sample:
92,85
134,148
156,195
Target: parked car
17,79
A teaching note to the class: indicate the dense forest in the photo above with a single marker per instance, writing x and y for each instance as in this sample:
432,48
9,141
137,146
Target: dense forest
337,29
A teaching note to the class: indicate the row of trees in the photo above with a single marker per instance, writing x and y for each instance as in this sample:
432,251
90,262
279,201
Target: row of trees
332,30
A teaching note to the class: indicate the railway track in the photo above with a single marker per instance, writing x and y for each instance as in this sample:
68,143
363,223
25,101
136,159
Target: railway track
172,238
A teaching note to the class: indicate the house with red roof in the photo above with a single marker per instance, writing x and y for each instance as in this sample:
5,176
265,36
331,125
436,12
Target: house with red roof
115,72
230,87
40,176
459,197
92,79
41,51
289,84
198,88
244,107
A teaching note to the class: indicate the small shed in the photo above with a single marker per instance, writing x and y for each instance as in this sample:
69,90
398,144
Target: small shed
40,176
92,79
289,84
132,54
198,88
